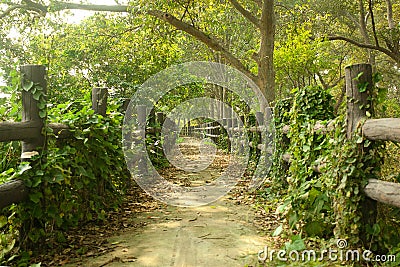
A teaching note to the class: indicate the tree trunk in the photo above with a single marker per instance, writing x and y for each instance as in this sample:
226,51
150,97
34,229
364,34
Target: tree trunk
266,72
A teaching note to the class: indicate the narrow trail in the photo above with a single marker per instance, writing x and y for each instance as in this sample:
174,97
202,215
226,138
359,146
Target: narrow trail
224,233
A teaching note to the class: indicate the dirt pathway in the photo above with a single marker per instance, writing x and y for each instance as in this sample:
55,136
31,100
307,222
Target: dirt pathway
223,233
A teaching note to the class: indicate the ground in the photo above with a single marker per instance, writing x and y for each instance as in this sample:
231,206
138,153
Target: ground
145,232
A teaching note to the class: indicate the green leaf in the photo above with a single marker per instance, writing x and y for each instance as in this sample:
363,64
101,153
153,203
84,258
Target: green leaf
27,86
41,105
314,228
3,221
362,87
35,197
36,181
59,177
358,76
376,229
42,114
278,230
297,245
23,167
36,95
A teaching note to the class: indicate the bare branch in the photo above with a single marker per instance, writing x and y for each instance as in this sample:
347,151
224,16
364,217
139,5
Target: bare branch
322,80
27,6
204,38
392,55
370,6
352,18
110,8
9,10
245,13
58,6
35,6
362,20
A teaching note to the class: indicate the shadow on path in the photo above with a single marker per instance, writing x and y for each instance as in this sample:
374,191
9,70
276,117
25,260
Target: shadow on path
222,233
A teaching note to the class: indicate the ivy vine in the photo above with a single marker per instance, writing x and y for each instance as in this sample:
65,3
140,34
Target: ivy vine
326,205
73,181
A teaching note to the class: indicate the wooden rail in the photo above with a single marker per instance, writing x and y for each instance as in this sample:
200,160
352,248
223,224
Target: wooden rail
30,130
386,129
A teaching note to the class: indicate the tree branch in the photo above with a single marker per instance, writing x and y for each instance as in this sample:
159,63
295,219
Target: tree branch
370,6
35,6
245,13
9,10
389,53
363,25
110,8
207,40
58,6
26,5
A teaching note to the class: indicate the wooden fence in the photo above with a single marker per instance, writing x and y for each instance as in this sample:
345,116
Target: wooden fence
386,129
30,130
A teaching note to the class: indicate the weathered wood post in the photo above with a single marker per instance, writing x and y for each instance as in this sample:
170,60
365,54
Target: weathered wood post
152,118
125,104
228,114
141,118
189,127
241,132
99,105
99,100
170,136
31,109
160,118
34,141
260,121
359,86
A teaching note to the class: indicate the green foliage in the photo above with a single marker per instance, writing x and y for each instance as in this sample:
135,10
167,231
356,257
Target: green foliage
306,202
327,205
75,180
106,49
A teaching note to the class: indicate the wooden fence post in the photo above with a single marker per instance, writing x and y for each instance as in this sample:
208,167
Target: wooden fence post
36,114
359,85
99,100
152,118
99,105
125,104
260,121
189,127
30,109
141,117
16,191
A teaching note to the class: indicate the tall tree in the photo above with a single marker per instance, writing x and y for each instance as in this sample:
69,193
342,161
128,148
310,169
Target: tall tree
368,24
259,13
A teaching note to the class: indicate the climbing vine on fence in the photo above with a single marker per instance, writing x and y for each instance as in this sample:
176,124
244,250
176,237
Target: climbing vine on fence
75,180
326,205
306,203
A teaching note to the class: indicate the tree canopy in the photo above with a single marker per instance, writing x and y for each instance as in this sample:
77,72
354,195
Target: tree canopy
311,40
